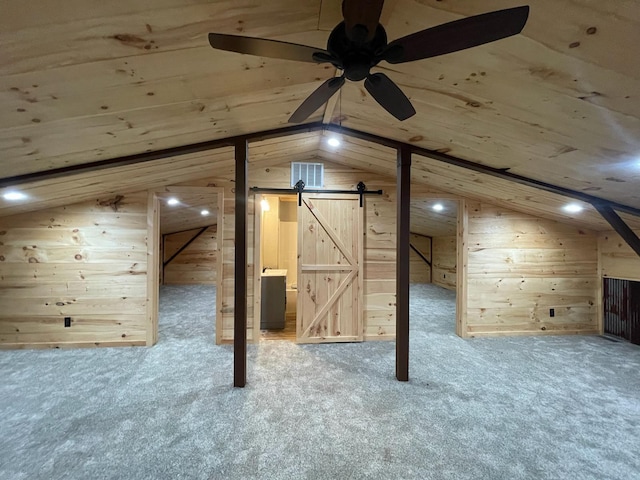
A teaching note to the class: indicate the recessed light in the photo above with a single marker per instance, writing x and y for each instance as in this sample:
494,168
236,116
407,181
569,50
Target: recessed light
438,207
173,201
204,212
14,196
333,142
572,208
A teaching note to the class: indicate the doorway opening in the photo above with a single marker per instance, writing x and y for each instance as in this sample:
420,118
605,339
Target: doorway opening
277,262
434,272
187,261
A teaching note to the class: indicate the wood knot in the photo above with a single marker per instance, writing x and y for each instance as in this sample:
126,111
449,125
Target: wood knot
78,256
33,260
114,202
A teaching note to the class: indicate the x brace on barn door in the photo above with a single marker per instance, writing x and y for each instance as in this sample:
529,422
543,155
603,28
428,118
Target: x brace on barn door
298,188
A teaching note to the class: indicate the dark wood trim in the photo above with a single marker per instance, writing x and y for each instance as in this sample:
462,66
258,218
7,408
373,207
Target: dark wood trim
306,128
494,172
157,155
402,263
619,226
240,270
424,259
184,247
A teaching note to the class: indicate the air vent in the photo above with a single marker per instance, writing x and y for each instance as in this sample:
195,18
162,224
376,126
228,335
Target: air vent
312,174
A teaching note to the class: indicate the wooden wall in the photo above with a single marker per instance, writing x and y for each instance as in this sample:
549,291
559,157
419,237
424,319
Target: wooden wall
617,259
444,261
196,264
519,267
419,270
380,241
86,261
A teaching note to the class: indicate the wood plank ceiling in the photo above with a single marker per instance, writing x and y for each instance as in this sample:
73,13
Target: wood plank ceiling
83,81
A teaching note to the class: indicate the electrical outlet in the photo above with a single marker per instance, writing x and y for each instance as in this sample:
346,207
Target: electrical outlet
552,312
67,322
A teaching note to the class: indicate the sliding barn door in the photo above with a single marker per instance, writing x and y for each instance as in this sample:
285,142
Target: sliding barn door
330,269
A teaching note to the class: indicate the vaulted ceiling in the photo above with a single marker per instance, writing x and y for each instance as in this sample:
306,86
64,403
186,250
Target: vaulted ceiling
84,81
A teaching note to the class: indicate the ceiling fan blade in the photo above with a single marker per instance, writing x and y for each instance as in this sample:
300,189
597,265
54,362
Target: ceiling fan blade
319,97
263,47
457,35
361,12
389,96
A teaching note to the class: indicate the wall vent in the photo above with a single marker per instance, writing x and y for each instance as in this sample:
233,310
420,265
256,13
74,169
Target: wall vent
312,174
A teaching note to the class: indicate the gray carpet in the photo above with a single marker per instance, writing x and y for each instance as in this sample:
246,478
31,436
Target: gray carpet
504,408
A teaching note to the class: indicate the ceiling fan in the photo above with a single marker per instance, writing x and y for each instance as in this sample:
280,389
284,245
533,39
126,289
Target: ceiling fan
359,43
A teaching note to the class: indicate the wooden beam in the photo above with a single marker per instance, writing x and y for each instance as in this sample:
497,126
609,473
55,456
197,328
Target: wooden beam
619,226
424,259
314,127
402,263
476,167
157,155
240,271
182,248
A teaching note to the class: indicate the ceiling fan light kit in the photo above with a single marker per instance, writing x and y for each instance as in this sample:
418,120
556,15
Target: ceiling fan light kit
359,43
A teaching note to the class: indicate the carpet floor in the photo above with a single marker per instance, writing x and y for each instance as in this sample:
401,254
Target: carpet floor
565,407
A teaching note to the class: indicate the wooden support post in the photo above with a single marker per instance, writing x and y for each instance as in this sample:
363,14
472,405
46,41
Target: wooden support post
402,264
240,271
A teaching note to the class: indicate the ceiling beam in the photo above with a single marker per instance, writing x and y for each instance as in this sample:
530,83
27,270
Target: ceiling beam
314,127
156,155
477,167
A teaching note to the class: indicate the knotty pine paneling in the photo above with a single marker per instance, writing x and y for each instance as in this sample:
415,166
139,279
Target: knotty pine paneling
538,265
379,243
617,259
444,261
87,261
196,264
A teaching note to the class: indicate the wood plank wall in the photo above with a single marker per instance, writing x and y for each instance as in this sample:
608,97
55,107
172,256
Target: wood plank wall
419,270
617,259
196,264
520,266
444,261
86,261
380,241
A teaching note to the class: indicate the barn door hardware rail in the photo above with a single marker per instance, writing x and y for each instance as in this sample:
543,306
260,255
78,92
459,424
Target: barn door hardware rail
298,188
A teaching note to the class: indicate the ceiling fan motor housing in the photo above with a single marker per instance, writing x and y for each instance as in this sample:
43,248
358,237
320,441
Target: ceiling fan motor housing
354,57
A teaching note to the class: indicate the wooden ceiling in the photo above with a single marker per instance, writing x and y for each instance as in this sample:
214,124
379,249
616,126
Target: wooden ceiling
83,81
189,211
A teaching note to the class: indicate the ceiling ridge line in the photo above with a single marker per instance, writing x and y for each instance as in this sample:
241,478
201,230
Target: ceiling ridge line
312,127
